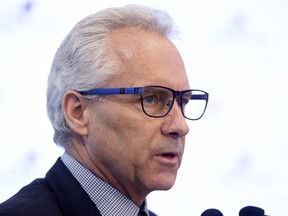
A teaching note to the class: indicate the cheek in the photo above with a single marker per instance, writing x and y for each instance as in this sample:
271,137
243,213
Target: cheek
124,125
121,135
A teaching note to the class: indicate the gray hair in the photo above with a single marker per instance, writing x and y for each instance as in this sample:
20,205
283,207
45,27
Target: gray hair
82,62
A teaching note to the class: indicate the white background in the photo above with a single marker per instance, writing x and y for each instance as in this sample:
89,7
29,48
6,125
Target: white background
236,50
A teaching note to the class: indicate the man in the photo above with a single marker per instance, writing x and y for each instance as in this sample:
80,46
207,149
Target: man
117,98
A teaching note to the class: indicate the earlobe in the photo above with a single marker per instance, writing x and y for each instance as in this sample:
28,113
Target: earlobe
74,109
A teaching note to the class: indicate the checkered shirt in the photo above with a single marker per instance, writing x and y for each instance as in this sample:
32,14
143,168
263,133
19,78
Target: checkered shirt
108,199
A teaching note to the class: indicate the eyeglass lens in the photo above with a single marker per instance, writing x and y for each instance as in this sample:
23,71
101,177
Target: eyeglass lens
157,102
196,106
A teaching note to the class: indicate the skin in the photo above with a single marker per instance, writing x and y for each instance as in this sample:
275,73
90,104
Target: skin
113,138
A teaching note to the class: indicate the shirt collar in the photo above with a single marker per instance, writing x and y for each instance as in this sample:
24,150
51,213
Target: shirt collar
108,199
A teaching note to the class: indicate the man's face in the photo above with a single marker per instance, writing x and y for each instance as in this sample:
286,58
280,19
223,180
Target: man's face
132,151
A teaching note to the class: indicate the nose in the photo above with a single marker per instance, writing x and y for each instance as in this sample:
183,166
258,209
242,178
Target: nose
175,124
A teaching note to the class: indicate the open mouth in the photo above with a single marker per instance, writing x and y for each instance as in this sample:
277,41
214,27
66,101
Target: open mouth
169,159
168,155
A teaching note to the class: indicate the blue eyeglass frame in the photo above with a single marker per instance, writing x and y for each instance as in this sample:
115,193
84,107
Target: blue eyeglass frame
140,90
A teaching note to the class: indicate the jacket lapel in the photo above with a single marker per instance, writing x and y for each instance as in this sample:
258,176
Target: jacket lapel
71,196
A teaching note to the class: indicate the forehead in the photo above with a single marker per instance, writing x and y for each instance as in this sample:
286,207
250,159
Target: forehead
145,58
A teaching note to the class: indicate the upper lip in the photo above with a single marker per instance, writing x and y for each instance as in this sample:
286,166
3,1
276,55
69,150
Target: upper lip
167,148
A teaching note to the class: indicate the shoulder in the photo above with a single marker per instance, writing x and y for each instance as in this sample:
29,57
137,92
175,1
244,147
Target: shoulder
37,198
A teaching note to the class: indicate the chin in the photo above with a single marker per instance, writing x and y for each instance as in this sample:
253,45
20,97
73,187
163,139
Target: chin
163,182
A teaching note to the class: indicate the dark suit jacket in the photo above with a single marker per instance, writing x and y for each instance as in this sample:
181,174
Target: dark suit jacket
59,193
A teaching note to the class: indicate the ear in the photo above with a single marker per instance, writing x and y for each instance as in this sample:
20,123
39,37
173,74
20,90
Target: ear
74,108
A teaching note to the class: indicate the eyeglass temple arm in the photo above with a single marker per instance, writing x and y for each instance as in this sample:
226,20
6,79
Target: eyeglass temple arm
103,91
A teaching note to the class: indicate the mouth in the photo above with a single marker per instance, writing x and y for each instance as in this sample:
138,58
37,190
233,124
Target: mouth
171,158
168,155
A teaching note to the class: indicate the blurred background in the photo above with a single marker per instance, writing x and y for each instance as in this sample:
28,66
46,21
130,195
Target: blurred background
236,50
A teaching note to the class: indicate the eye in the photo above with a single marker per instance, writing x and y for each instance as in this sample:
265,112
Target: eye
185,101
186,98
149,99
156,97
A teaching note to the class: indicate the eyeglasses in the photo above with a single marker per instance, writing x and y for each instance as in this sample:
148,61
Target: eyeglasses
157,101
